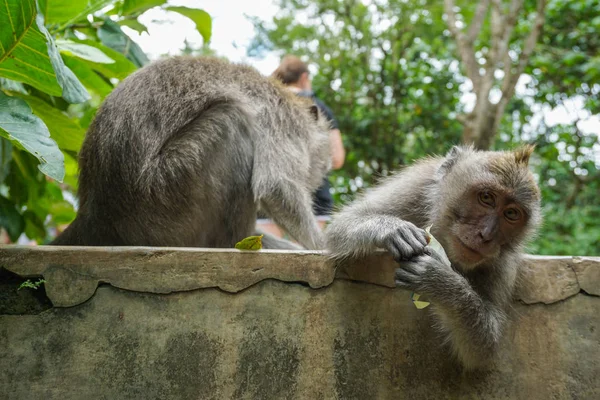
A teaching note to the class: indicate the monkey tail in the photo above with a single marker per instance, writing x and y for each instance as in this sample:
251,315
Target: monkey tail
217,138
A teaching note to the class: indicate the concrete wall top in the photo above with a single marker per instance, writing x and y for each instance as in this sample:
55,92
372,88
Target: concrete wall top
72,274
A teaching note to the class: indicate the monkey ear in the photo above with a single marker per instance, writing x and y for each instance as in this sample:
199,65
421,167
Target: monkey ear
523,153
451,158
454,152
314,111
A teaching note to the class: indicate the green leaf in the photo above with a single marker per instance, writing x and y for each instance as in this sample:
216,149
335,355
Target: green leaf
134,24
83,51
29,55
86,75
11,219
19,125
31,285
65,12
5,158
17,181
111,35
121,68
250,243
12,86
139,6
34,226
29,64
62,212
67,134
72,90
200,17
71,171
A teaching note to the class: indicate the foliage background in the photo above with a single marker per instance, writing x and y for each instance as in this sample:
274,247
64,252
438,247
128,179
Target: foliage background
389,70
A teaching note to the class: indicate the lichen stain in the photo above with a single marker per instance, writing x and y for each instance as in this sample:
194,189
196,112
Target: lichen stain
189,366
267,367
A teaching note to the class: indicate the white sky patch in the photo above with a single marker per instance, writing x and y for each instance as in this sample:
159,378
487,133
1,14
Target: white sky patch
232,31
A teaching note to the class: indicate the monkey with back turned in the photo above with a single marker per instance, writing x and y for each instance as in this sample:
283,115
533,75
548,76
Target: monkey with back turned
184,151
482,207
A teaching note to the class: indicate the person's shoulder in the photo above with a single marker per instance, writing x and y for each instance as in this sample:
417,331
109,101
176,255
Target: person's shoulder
326,111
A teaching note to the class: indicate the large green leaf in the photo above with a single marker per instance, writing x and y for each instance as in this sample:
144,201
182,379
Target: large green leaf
65,12
200,17
19,125
67,134
139,6
84,51
28,53
111,35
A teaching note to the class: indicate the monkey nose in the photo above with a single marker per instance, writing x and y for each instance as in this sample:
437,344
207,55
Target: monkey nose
486,237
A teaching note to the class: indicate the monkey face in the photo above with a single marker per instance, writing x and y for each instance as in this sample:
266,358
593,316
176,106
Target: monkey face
483,221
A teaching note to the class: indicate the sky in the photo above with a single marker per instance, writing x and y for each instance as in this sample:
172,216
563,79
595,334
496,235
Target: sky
231,35
233,31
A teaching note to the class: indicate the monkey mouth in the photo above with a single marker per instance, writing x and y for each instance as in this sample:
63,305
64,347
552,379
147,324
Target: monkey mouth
470,252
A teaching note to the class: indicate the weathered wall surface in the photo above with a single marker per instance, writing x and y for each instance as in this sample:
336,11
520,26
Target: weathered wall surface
278,340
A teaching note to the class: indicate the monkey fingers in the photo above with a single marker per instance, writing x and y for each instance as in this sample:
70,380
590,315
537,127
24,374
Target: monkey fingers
434,254
406,242
409,274
406,280
422,273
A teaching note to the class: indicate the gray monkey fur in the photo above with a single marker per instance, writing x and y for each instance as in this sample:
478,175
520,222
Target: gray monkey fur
184,151
469,302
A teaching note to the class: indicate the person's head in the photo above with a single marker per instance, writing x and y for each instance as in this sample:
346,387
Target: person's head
293,72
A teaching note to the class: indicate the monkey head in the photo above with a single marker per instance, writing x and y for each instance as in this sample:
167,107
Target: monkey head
487,203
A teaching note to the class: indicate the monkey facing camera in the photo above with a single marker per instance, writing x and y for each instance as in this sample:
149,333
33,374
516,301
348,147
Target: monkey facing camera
186,150
482,207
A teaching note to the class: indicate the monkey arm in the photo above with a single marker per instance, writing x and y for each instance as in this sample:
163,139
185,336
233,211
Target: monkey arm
386,217
472,324
473,320
290,207
273,242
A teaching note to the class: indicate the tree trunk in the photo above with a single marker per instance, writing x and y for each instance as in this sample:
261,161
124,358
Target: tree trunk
481,127
482,124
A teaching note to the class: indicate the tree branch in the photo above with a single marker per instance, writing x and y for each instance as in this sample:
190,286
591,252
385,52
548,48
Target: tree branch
510,80
476,23
511,21
465,48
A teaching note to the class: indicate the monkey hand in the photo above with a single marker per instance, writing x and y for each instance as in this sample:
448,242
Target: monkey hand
404,240
426,274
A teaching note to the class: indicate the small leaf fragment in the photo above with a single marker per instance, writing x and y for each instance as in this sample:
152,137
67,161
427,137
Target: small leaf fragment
437,247
420,304
31,285
250,243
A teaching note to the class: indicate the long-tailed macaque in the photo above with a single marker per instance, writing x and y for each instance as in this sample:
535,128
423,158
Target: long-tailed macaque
483,206
184,151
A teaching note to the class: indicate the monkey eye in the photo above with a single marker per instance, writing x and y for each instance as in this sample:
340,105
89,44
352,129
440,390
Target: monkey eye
487,198
512,214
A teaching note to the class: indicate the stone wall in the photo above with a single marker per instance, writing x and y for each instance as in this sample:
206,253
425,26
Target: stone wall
224,324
